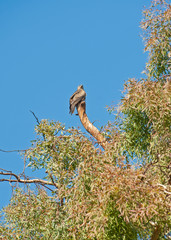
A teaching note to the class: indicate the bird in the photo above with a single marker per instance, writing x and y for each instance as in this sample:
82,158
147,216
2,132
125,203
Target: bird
76,98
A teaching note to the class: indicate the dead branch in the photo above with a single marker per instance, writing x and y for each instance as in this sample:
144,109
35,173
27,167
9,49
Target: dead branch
10,151
19,180
81,108
37,120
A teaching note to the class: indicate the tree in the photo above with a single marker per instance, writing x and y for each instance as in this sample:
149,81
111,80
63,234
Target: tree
121,192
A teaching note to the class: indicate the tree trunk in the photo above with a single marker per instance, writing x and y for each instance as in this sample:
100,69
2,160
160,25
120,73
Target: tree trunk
156,233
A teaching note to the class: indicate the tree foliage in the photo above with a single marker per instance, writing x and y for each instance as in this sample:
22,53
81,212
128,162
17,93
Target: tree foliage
157,36
122,192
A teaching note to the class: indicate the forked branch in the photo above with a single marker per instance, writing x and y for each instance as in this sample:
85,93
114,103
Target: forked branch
19,180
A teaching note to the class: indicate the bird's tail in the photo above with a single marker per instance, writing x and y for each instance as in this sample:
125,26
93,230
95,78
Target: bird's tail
71,109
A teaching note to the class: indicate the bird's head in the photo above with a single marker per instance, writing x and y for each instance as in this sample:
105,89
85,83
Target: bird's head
80,87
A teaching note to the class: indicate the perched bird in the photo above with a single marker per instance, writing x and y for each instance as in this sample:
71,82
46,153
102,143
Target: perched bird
76,98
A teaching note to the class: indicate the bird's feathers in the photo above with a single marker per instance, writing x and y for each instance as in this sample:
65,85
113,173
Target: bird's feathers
76,98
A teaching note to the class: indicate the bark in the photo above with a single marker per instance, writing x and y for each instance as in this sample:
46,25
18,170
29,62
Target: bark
81,108
156,233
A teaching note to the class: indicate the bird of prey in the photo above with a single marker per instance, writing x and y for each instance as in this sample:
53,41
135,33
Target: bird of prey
76,98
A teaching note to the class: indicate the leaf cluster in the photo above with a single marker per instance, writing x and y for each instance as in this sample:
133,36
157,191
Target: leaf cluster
157,37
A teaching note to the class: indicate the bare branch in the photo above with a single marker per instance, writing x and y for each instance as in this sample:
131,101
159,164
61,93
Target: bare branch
4,170
81,108
18,179
9,151
165,188
50,175
37,120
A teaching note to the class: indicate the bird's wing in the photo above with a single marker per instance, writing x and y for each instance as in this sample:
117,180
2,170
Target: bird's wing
71,101
77,97
71,98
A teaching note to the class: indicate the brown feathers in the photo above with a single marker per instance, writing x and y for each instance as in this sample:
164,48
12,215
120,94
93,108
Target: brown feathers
76,98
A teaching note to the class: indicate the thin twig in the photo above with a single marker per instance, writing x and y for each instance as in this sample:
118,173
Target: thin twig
37,120
47,187
5,170
50,175
9,151
147,168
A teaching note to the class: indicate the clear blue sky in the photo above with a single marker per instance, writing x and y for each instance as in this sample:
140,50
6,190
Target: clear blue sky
47,49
